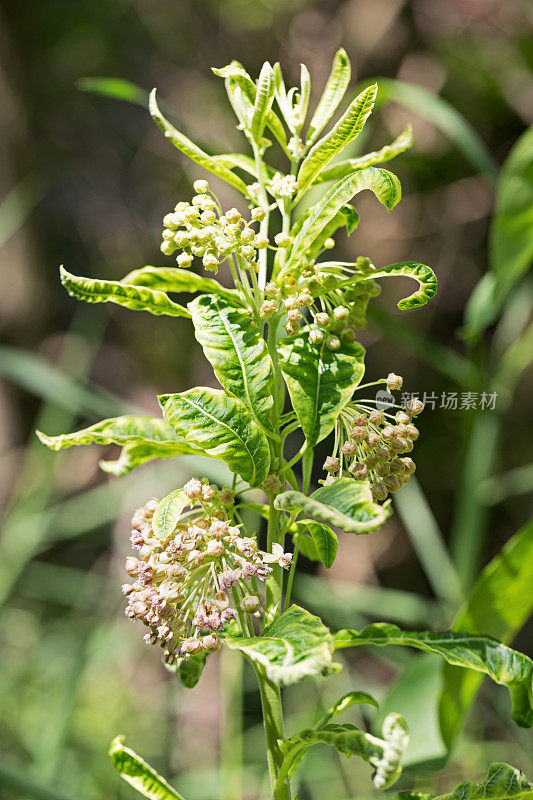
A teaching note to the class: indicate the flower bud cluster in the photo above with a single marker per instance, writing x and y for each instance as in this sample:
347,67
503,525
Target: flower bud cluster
372,442
200,229
187,587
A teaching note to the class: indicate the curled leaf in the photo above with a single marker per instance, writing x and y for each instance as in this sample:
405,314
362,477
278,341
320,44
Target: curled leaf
411,269
345,504
139,774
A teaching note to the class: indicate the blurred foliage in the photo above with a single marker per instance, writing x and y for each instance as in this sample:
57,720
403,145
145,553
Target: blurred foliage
86,180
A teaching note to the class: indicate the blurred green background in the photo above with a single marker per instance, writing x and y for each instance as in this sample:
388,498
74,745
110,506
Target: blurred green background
85,182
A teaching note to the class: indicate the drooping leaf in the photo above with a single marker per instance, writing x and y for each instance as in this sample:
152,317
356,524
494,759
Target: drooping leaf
191,150
502,782
499,603
333,93
297,644
345,131
323,540
221,426
345,504
473,651
263,101
384,184
139,774
342,168
138,298
384,754
411,269
320,381
237,352
168,512
137,454
174,279
511,242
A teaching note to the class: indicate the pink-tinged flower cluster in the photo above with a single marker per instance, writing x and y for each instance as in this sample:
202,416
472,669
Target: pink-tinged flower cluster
204,574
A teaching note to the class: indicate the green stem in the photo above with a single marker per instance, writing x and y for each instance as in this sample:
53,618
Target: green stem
292,571
231,745
274,730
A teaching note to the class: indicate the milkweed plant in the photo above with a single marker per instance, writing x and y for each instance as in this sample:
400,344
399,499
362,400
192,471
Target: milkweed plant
283,344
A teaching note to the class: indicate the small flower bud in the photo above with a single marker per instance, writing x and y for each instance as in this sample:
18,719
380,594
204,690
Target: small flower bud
167,248
282,239
341,313
261,241
292,328
358,434
226,496
184,260
210,643
329,243
408,465
377,417
200,186
332,464
349,448
414,407
379,491
294,315
210,262
394,382
191,646
208,492
333,343
233,216
271,290
250,604
208,217
181,239
388,433
168,235
316,336
132,566
322,319
402,418
214,548
412,432
248,252
168,221
393,483
193,489
373,439
268,307
272,484
348,336
258,214
247,236
191,213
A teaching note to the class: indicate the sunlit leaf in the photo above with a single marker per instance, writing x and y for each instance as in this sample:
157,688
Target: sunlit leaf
174,279
502,782
137,298
411,269
238,353
499,603
222,427
342,168
137,454
300,110
168,513
473,651
115,88
123,430
384,184
263,101
139,774
333,93
294,646
384,754
345,131
322,538
320,381
191,150
345,504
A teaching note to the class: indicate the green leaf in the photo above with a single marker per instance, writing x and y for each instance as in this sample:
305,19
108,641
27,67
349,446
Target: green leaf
191,150
168,513
300,110
174,279
324,540
189,670
294,646
333,93
135,455
116,88
384,184
503,782
320,381
384,754
342,168
138,298
345,131
222,427
263,101
237,352
410,269
139,774
499,603
347,217
511,241
473,651
345,504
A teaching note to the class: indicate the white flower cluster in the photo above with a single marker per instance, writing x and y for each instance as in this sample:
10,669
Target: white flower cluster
201,229
188,586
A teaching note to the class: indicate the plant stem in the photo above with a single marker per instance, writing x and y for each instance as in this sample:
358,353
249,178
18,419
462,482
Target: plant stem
290,579
273,723
231,732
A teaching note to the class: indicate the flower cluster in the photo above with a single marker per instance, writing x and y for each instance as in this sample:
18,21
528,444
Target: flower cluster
187,587
201,229
370,442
